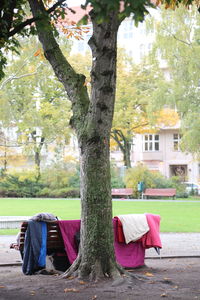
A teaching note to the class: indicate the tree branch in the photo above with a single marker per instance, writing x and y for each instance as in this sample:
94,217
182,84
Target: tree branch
182,41
73,83
16,77
34,19
140,125
115,134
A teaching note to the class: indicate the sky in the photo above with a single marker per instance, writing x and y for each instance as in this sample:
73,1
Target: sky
75,2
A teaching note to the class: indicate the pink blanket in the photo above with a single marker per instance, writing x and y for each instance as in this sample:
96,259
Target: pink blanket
68,231
130,256
152,237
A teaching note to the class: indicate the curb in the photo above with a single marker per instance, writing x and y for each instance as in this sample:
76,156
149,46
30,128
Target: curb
172,256
148,258
11,264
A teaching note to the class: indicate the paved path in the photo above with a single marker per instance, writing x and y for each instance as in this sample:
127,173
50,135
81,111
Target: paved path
174,244
178,244
7,255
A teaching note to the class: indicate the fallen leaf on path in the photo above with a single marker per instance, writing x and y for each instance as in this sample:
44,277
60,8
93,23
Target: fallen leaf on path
70,290
163,295
2,286
148,274
70,277
82,282
32,293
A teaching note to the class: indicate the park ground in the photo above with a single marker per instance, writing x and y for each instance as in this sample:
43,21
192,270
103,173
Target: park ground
171,278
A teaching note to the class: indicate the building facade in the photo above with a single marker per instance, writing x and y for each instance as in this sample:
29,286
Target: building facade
161,152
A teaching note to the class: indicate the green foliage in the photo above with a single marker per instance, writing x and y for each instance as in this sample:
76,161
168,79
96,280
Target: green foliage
137,9
60,176
12,18
59,193
137,174
153,180
130,115
116,179
15,22
42,115
14,186
177,42
56,181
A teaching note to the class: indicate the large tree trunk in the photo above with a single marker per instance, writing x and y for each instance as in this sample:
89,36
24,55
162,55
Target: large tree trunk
97,253
92,120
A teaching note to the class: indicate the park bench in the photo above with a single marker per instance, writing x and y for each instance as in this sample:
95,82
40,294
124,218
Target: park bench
55,245
159,193
122,192
54,238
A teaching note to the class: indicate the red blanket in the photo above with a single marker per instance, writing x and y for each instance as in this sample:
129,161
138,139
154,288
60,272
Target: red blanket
131,255
149,239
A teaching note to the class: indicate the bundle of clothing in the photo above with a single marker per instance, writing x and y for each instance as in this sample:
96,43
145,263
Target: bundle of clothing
35,244
132,235
144,228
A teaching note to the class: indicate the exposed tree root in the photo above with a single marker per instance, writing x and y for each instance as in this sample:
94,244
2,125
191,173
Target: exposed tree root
95,273
73,269
138,277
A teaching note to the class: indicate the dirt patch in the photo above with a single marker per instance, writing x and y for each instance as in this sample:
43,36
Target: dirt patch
161,278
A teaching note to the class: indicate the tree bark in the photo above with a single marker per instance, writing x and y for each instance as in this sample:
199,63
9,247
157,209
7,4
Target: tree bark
92,120
97,233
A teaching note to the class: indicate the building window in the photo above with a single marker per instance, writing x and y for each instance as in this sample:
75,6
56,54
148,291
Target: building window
151,142
176,141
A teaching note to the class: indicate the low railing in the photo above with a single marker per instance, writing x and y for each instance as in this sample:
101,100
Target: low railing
12,222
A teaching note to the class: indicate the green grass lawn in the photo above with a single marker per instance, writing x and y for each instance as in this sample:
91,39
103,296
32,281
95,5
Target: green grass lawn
175,216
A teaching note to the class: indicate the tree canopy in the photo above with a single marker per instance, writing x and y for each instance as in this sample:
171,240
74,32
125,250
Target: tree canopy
40,114
178,44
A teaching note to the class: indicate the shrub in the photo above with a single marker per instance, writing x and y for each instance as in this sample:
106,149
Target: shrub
116,179
152,180
59,193
175,182
137,174
60,176
13,186
56,181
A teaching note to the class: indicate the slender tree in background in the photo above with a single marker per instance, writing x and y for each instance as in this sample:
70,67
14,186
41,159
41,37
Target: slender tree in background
135,84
